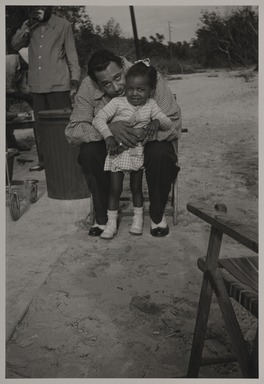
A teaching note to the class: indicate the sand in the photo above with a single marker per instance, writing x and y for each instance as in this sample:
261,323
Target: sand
82,307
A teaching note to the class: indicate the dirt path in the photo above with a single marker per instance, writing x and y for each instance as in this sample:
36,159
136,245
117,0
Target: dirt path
126,308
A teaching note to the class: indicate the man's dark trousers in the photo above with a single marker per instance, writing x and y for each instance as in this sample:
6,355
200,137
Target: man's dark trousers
161,172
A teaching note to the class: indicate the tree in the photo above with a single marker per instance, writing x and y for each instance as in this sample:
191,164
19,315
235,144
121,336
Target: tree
230,40
111,30
243,34
15,16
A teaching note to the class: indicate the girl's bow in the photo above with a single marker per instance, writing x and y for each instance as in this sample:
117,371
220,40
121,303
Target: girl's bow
144,61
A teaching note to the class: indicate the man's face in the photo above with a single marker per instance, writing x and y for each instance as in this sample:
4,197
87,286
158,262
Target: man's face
112,80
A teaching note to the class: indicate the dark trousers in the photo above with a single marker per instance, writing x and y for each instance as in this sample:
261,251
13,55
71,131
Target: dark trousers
43,102
161,171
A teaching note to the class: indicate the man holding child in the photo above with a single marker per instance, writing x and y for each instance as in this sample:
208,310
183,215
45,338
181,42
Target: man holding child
106,80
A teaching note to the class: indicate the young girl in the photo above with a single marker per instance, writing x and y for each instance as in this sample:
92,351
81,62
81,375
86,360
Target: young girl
139,109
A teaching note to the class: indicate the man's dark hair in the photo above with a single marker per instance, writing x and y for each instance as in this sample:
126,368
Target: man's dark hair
141,69
100,60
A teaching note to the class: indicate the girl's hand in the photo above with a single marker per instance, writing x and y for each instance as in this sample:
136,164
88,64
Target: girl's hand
152,129
111,146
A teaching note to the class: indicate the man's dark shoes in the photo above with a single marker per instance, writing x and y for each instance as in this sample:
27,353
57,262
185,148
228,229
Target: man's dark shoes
37,168
159,232
95,231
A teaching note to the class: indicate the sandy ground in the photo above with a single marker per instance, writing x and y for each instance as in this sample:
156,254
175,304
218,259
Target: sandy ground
81,307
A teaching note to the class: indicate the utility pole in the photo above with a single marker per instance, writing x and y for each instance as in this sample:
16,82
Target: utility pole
170,37
169,30
134,26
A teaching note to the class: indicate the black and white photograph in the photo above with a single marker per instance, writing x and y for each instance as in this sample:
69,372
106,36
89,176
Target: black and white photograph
131,245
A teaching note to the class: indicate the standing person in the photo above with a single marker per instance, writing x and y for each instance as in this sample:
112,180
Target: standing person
106,80
138,109
53,64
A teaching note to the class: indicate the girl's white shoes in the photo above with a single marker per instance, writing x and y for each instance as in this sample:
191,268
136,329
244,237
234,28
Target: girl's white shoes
111,227
137,225
110,231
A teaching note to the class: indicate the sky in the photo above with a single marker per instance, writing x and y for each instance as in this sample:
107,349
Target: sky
182,21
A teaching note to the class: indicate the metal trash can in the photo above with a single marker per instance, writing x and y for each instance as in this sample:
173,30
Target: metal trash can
64,178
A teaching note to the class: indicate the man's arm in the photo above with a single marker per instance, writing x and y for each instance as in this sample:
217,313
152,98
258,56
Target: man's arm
167,103
80,129
21,37
164,120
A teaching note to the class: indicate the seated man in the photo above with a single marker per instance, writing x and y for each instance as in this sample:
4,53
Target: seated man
106,80
16,78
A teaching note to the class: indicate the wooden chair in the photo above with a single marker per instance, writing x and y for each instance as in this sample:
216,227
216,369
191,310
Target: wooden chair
226,277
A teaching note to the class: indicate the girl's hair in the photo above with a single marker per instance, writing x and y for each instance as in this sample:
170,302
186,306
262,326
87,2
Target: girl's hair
141,69
100,60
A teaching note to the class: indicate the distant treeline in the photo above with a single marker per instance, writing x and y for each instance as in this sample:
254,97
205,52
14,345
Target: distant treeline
221,41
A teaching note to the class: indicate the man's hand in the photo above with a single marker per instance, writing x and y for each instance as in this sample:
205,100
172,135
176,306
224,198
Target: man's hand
111,146
152,129
33,19
75,85
74,89
124,133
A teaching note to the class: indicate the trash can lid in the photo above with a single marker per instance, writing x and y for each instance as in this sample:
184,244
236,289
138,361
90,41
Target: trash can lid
55,113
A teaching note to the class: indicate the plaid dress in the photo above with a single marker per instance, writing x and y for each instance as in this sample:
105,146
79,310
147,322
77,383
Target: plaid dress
129,160
119,109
